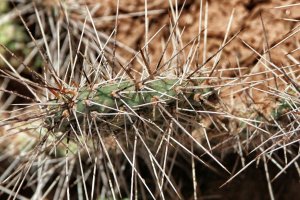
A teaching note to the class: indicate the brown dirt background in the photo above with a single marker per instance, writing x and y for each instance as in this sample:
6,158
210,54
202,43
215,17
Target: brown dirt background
248,17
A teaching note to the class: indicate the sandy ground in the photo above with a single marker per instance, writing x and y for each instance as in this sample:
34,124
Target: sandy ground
263,24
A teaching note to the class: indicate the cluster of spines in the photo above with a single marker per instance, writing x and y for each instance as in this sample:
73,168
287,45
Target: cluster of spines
109,100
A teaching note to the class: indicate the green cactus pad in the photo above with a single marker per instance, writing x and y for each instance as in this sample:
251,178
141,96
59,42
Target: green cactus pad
111,97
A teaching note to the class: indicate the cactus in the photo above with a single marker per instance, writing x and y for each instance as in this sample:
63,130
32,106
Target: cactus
95,125
112,98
